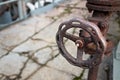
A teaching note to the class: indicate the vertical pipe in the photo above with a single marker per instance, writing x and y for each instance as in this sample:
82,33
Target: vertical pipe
20,10
92,75
93,72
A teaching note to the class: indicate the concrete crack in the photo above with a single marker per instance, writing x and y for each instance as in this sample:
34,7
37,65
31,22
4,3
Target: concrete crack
40,67
26,40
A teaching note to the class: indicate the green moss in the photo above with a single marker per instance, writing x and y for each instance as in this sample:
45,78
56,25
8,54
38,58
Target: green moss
80,77
68,10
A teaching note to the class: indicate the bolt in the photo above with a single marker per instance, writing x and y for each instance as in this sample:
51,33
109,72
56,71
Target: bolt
79,43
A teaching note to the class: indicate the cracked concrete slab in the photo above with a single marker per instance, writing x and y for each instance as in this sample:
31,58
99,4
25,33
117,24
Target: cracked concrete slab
43,55
47,73
71,48
22,31
82,4
63,65
54,53
30,45
11,37
3,52
11,64
36,21
49,33
29,69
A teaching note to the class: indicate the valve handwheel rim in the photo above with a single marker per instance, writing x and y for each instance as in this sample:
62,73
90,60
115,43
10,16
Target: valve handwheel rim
97,36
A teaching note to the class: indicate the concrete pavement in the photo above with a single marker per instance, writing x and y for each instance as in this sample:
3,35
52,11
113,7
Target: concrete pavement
28,49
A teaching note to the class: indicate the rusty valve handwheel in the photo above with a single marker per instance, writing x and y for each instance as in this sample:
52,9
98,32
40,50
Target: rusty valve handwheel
95,37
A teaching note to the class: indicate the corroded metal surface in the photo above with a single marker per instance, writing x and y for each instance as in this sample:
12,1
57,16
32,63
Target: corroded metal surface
103,8
105,2
95,38
103,5
92,36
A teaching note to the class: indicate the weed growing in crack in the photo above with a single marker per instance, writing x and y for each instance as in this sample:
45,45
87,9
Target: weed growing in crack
81,75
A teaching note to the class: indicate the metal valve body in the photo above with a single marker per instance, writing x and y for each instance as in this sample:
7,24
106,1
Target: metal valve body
92,36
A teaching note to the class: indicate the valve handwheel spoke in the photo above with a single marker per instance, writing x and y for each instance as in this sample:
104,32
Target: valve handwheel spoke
79,54
93,36
71,37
